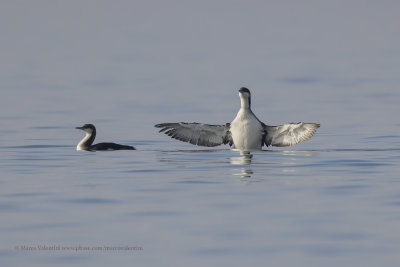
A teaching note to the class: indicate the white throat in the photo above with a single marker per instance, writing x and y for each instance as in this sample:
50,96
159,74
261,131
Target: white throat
81,144
244,101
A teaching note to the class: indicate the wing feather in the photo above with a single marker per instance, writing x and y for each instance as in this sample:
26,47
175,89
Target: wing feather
198,133
289,134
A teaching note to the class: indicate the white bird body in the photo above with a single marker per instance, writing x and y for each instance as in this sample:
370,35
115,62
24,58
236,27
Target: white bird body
246,131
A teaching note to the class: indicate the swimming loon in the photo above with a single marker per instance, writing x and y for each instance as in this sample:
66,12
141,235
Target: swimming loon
245,132
87,141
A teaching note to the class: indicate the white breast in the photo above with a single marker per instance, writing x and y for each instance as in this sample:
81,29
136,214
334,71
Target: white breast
246,131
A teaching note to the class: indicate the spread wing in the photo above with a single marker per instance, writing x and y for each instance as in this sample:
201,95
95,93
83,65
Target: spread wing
289,134
198,133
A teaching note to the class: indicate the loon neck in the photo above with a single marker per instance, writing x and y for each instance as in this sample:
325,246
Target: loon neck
245,102
87,141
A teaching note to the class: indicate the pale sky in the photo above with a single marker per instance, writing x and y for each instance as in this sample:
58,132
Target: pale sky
118,55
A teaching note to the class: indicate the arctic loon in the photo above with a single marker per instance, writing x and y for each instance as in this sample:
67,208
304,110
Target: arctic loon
245,132
87,141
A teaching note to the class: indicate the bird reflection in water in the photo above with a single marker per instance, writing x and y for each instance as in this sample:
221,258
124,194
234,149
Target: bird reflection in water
243,160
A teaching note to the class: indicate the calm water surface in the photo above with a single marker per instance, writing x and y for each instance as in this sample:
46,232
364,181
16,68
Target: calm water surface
202,206
331,201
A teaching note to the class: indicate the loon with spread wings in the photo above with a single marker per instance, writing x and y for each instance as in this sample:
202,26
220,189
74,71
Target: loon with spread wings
245,132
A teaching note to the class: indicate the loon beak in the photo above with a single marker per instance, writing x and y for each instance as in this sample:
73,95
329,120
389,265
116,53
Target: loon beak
79,128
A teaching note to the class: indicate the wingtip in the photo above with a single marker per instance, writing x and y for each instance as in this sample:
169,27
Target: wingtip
312,124
165,124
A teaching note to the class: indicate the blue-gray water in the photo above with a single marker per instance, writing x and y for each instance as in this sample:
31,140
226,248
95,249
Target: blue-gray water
333,200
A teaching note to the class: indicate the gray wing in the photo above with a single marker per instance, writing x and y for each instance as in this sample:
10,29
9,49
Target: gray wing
198,133
289,134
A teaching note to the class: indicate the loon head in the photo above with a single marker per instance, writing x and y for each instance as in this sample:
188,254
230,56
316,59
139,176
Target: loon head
245,97
87,128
